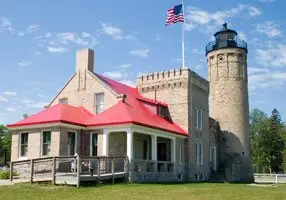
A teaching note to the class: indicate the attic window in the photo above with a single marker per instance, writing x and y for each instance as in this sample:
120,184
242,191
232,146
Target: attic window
162,111
63,100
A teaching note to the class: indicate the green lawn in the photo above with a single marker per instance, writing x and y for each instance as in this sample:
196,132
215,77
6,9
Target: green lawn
197,191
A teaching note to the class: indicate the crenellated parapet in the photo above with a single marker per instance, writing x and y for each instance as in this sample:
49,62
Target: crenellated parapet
171,79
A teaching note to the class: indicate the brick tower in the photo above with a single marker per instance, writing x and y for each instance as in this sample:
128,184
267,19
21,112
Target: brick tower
227,73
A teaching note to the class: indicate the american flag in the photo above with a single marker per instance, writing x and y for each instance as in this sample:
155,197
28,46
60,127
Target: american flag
175,15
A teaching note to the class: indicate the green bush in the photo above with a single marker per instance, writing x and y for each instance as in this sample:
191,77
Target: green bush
5,174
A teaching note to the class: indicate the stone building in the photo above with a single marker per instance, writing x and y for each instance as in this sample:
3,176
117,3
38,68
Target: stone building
174,125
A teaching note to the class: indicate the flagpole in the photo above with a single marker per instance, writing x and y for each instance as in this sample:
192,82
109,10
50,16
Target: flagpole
183,37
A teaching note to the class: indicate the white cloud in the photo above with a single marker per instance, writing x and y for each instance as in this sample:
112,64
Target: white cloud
41,96
124,66
197,51
30,29
3,99
9,93
5,24
272,57
24,63
114,74
128,82
144,53
208,21
37,53
9,109
33,104
56,49
114,32
269,28
261,78
241,35
84,38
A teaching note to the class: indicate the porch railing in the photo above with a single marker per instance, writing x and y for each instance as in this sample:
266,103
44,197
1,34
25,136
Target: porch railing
49,168
153,166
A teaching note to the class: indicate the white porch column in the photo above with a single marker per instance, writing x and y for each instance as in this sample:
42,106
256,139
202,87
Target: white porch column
173,150
129,133
154,147
105,142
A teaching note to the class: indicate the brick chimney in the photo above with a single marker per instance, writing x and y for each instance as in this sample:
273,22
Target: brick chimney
84,62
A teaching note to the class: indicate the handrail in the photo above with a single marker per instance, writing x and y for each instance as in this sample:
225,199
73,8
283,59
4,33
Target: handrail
217,44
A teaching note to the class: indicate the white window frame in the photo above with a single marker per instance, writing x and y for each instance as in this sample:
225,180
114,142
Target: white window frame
101,104
90,143
42,143
20,146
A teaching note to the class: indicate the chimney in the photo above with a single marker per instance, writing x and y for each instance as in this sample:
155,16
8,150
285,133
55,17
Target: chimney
84,60
84,63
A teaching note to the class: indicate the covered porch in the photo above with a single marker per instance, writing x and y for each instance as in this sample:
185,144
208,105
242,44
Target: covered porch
153,155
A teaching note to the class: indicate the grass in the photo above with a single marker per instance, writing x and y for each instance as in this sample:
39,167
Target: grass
195,191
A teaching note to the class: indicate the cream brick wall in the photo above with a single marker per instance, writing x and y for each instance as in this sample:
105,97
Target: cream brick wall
85,97
34,143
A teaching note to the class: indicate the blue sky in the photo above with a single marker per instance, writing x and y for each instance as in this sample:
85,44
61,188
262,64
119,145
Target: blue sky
39,40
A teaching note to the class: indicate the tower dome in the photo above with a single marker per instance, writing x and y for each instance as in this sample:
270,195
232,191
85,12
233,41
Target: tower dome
226,38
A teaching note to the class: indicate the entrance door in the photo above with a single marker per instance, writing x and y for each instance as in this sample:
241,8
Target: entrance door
162,152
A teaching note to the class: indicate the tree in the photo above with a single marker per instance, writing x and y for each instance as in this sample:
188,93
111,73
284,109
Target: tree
272,144
257,124
5,143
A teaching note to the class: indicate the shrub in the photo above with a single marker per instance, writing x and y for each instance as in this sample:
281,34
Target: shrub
5,174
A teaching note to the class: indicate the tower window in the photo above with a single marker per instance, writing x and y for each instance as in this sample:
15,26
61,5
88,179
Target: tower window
199,118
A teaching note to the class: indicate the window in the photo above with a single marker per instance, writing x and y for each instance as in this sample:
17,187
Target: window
46,145
199,154
24,144
162,111
199,118
99,102
71,143
94,141
63,100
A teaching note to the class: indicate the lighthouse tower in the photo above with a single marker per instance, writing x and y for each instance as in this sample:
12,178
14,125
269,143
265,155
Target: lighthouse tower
227,74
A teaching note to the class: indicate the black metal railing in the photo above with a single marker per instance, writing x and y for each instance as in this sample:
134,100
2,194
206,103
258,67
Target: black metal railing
214,45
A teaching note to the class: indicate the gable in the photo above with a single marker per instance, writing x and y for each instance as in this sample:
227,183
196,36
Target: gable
78,95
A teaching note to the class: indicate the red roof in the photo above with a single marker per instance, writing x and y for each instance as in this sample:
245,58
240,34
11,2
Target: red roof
58,113
132,111
118,87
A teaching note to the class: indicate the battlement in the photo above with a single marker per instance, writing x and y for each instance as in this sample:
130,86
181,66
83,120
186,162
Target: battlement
170,76
160,76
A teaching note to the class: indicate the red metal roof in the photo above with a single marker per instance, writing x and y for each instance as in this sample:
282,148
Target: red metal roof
58,113
132,111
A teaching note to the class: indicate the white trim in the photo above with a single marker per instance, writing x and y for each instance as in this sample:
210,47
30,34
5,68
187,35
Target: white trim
105,142
48,125
41,143
130,147
20,146
154,147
